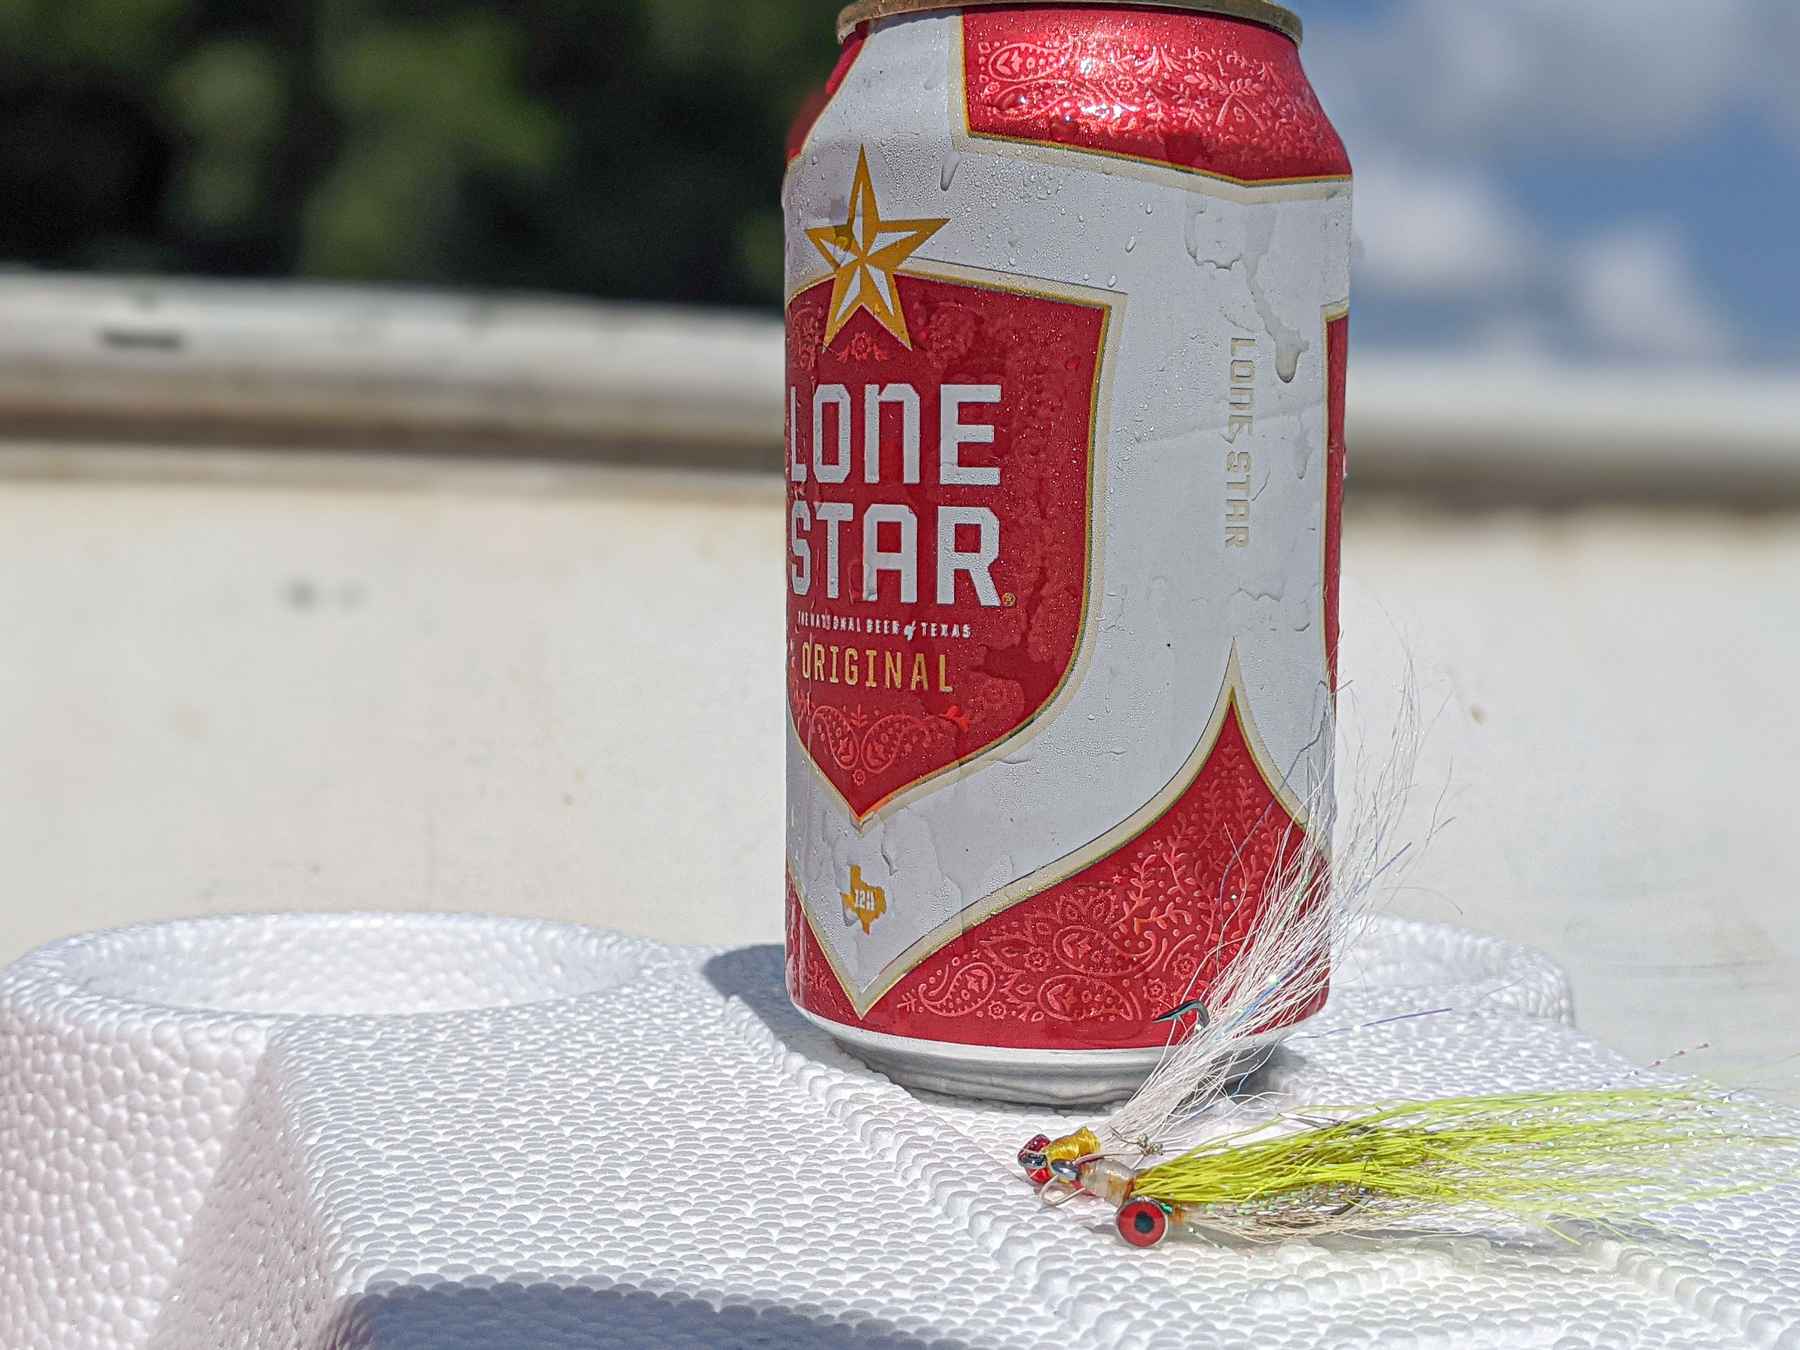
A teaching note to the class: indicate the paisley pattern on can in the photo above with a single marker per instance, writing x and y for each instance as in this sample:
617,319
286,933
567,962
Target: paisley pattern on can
1196,92
1091,963
889,692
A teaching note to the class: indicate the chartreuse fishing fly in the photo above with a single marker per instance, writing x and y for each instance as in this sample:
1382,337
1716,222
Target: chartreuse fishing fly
1548,1158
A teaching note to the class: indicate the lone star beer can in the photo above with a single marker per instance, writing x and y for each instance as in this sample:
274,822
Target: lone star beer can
1066,335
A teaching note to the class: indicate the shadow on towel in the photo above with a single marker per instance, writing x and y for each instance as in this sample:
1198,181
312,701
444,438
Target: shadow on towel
557,1317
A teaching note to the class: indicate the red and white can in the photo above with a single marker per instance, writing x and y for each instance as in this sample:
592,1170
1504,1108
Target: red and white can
1068,294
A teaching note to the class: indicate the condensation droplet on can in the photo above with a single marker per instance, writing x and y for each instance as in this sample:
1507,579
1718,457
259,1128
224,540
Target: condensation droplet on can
1190,230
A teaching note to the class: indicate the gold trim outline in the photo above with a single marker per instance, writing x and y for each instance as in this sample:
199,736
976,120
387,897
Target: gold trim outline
1111,306
1233,696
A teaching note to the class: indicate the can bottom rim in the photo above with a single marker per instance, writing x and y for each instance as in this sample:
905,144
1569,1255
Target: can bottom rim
1028,1077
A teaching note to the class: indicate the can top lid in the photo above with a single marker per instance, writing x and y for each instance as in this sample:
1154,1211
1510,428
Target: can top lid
1264,12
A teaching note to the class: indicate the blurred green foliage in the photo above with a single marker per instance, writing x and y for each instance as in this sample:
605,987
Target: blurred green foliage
628,148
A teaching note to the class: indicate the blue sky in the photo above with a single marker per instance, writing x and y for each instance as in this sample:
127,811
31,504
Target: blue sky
1611,181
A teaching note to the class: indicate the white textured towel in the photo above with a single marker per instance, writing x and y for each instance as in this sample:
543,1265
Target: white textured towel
450,1133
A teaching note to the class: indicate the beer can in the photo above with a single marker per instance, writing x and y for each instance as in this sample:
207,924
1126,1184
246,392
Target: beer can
1068,293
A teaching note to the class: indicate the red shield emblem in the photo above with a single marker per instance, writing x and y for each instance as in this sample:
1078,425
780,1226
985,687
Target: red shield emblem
940,489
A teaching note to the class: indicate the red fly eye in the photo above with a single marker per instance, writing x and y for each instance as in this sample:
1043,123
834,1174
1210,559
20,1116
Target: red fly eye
1040,1177
1037,1144
1143,1223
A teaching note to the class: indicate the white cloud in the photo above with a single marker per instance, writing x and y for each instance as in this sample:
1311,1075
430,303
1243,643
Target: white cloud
1448,235
1618,73
1440,102
1515,339
1435,97
1635,291
1434,232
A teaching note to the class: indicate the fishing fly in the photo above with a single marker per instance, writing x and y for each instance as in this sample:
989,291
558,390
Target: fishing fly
1548,1158
1312,905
